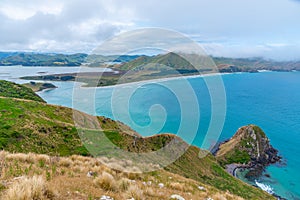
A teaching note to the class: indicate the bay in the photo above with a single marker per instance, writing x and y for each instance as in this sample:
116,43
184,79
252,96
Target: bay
270,100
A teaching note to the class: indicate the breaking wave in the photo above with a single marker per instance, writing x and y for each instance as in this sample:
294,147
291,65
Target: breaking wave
264,187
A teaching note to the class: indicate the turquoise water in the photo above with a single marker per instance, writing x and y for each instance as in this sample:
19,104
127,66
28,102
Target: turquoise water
270,100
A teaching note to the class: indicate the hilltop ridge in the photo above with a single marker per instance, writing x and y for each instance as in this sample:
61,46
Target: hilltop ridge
13,90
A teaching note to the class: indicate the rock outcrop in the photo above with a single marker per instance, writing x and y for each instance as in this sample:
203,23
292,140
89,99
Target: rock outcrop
249,148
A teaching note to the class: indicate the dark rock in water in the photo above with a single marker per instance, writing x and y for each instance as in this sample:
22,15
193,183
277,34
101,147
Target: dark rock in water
67,78
249,147
254,173
267,175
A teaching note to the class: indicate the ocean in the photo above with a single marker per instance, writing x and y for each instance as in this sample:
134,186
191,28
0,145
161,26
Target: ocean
270,100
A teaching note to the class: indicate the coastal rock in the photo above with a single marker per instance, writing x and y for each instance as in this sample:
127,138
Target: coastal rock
249,148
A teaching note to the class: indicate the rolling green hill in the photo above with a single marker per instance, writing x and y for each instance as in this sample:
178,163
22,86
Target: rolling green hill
34,126
55,59
170,60
38,59
13,90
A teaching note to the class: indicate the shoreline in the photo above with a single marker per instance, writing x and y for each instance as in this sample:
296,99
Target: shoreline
158,80
236,167
77,75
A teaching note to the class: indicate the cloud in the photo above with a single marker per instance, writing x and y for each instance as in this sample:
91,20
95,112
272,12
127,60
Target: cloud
60,28
233,27
21,10
281,52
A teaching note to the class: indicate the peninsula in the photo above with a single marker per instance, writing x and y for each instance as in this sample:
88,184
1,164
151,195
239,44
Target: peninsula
140,68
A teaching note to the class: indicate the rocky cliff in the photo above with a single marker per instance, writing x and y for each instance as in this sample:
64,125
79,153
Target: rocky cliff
250,148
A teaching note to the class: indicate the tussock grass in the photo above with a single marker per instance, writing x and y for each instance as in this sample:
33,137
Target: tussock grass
37,176
177,186
65,162
135,192
27,188
106,181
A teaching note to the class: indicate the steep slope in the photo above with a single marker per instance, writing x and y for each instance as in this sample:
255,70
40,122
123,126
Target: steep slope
206,170
39,176
13,90
32,126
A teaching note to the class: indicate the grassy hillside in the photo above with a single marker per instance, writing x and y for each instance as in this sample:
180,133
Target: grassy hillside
30,126
206,170
33,126
39,176
13,90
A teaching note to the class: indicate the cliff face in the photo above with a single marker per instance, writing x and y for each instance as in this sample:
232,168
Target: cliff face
249,147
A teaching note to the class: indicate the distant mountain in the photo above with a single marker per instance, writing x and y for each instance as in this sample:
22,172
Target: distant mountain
38,59
254,64
54,59
224,65
95,59
129,62
170,60
6,54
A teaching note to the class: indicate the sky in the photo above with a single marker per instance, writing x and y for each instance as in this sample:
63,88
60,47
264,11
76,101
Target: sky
231,28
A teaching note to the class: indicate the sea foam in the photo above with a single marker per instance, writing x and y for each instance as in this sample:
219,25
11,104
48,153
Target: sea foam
264,187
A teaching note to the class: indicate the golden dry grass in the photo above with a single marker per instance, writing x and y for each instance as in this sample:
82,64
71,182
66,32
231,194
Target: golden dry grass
28,188
36,176
106,181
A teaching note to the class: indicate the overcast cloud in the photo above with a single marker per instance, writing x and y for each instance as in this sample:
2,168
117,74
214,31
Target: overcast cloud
234,28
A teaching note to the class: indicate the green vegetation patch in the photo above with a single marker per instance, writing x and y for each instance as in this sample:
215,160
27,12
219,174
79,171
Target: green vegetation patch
13,90
29,126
